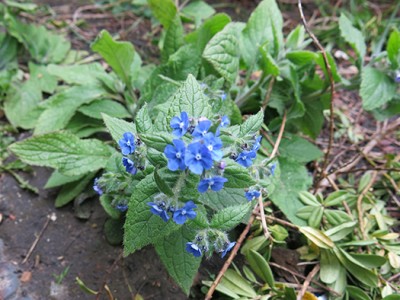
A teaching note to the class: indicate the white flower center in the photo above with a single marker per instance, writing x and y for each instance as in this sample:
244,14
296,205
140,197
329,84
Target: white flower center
178,155
181,125
210,147
198,156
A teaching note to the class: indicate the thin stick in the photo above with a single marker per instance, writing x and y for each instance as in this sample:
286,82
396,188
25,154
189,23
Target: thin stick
359,205
282,222
332,87
35,242
268,94
231,256
307,282
280,134
263,221
326,288
105,278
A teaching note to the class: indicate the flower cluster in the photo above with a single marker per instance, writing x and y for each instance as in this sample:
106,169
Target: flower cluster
201,154
132,150
163,208
207,241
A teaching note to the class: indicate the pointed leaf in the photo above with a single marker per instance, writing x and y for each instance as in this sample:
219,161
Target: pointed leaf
118,127
353,36
261,267
229,217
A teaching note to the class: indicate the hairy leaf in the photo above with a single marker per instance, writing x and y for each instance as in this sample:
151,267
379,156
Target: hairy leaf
231,216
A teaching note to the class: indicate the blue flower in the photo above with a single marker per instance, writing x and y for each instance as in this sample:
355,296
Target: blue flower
397,76
127,143
246,158
129,165
215,183
198,158
214,144
251,195
223,96
193,249
176,155
272,169
228,248
97,188
158,210
201,129
184,213
180,124
225,122
122,207
257,144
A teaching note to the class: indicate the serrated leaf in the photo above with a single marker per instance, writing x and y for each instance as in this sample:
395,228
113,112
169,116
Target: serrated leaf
43,78
190,98
261,267
162,185
64,152
173,38
353,36
97,107
393,49
163,10
229,217
57,179
222,52
264,25
71,190
181,265
330,266
238,176
118,127
61,107
223,198
317,237
299,149
21,104
141,226
293,179
252,125
143,121
119,55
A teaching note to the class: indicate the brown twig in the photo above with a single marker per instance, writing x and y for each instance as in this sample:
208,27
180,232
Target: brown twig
268,94
35,242
280,134
231,256
359,205
105,278
326,288
307,282
282,222
332,88
263,221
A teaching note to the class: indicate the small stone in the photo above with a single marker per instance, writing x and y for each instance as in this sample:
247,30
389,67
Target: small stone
26,276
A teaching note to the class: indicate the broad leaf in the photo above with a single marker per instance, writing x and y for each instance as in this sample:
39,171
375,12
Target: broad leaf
377,88
71,190
97,107
141,226
156,140
173,38
330,266
118,127
86,74
223,198
64,152
299,149
353,36
181,265
252,125
393,49
163,10
238,176
143,121
57,179
43,78
231,216
222,52
119,55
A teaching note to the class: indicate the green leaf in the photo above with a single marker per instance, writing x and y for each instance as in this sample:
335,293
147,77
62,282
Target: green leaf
356,293
302,57
190,98
376,89
336,198
295,39
21,104
308,199
198,10
264,25
173,38
87,74
369,261
181,265
57,179
61,107
44,47
163,10
299,149
252,125
162,185
143,121
63,151
317,237
223,198
156,140
237,284
336,217
261,267
8,52
222,52
141,226
113,230
231,216
106,203
118,127
339,232
222,289
316,217
238,176
392,297
268,63
43,78
393,49
97,107
353,36
119,55
294,179
330,266
23,6
71,190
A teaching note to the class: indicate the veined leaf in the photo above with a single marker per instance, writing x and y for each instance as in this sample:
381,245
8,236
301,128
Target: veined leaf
97,107
118,127
317,237
71,190
231,216
163,10
353,36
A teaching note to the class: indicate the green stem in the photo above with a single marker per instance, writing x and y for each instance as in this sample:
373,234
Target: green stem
241,101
